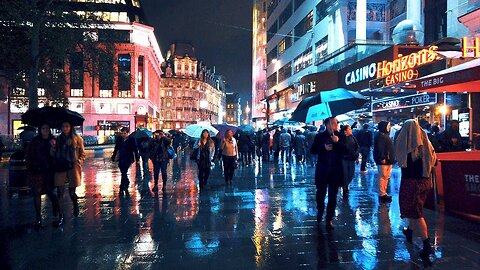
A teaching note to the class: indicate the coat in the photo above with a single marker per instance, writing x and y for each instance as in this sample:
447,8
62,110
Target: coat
300,145
383,149
329,162
125,150
73,176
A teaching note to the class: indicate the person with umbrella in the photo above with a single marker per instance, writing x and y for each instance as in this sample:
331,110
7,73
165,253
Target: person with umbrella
39,161
229,150
69,157
126,153
329,149
159,157
204,158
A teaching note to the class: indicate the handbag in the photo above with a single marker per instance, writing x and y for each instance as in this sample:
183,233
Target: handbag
171,153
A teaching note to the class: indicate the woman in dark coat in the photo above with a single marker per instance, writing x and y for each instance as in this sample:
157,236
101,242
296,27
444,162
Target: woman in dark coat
351,151
40,167
329,149
299,145
206,153
416,156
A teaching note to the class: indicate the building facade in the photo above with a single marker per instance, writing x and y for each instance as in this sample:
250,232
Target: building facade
259,60
189,92
127,95
234,109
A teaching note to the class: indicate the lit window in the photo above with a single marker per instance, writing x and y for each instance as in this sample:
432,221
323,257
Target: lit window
76,92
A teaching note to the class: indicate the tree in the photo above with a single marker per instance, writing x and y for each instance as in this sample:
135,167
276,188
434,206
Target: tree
38,37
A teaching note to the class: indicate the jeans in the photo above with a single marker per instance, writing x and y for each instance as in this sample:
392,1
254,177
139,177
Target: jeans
384,172
365,152
285,154
160,166
229,167
322,187
348,172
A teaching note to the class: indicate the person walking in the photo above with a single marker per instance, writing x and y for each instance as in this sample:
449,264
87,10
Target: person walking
310,137
243,140
144,152
300,147
329,149
266,146
351,151
416,157
365,141
126,153
276,144
229,149
39,161
69,157
206,153
159,156
285,142
384,157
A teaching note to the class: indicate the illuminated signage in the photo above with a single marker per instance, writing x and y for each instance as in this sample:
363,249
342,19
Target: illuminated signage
402,68
360,74
475,47
416,100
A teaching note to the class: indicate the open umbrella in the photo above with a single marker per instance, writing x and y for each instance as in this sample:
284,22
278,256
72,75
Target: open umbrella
223,128
53,116
285,122
141,133
247,129
328,103
195,130
175,132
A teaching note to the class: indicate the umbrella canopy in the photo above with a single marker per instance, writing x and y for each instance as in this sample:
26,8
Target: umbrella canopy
53,116
247,129
223,128
174,132
195,130
141,133
328,103
27,128
285,122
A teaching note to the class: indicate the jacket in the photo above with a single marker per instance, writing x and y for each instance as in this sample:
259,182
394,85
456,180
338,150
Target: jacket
159,149
365,138
126,150
383,146
74,175
329,162
351,149
285,139
300,145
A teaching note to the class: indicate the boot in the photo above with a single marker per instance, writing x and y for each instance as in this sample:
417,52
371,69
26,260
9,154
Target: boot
427,249
408,234
76,211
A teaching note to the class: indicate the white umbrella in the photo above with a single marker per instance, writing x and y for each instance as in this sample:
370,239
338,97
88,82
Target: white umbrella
195,130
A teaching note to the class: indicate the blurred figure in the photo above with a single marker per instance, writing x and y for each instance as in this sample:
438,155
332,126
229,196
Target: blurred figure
159,157
384,157
351,151
300,147
206,152
365,141
450,139
416,157
126,153
309,138
229,149
144,152
285,142
328,147
69,157
244,141
266,146
40,166
292,140
276,144
258,144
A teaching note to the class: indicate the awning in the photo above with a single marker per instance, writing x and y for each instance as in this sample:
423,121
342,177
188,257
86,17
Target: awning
461,78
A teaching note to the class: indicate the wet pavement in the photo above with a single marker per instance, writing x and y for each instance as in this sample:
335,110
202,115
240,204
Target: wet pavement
266,220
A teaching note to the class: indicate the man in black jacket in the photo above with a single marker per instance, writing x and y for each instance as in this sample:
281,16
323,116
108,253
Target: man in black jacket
127,153
328,173
384,158
365,140
159,157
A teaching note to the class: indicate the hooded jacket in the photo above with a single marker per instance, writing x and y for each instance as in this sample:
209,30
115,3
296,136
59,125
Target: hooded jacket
383,146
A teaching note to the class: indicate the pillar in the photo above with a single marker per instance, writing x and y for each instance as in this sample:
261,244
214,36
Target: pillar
361,21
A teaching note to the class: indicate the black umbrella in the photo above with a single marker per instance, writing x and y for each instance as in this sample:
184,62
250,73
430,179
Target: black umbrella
141,133
336,102
247,129
52,116
28,128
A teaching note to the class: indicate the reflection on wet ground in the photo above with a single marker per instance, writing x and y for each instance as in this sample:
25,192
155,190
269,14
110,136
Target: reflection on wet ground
266,220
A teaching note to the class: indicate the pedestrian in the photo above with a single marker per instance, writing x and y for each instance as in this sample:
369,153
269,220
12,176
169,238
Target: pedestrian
266,145
285,142
206,153
251,148
39,162
329,149
276,144
300,146
351,150
69,157
160,158
416,157
229,150
384,157
258,145
365,141
243,146
144,152
126,153
292,140
310,137
450,139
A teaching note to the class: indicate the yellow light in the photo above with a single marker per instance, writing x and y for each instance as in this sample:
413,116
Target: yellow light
443,109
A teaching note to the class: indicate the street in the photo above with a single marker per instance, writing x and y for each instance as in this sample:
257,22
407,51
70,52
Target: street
265,220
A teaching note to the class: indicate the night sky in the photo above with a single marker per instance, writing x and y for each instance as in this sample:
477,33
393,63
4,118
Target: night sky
220,30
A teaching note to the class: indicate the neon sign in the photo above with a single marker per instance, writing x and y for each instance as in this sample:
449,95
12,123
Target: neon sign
402,68
466,48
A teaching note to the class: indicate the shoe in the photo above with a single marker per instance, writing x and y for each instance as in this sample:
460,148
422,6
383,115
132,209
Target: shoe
427,250
329,226
76,211
408,234
59,222
155,188
385,198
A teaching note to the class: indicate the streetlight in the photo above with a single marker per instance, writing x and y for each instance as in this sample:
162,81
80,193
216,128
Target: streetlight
247,112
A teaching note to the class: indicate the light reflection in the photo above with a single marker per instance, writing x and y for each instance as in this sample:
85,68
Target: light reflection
200,247
259,237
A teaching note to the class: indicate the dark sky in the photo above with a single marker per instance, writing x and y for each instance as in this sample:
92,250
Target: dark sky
220,30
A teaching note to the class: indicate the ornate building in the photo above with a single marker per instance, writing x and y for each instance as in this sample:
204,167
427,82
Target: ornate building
234,110
189,92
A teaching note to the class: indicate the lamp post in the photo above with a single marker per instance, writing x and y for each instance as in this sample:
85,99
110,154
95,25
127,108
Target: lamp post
247,112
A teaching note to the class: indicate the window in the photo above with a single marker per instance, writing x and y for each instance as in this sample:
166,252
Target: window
272,55
124,93
106,93
124,72
272,80
271,6
302,61
321,11
76,72
272,31
285,72
123,108
286,14
321,48
375,12
106,76
281,46
303,26
298,3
